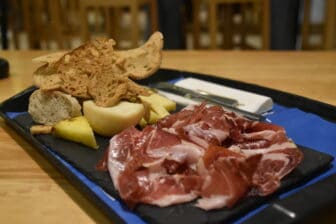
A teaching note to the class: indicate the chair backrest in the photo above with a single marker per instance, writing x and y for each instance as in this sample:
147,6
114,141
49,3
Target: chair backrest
111,12
220,16
48,23
58,23
326,29
330,25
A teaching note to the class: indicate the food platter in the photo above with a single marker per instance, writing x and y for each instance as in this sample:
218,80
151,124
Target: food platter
78,162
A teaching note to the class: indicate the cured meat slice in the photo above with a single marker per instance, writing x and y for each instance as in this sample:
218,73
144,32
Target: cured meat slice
273,166
200,124
119,152
154,167
227,176
202,152
280,155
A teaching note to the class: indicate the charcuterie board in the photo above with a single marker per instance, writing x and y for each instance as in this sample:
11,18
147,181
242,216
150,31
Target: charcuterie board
78,162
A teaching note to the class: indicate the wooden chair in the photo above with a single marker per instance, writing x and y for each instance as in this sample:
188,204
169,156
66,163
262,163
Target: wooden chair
112,11
330,26
327,30
213,10
309,29
15,22
48,21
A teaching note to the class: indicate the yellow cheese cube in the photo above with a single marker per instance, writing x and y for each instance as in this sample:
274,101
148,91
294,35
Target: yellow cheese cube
160,100
76,129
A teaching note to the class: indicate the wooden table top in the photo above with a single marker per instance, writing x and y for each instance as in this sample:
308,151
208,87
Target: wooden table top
33,191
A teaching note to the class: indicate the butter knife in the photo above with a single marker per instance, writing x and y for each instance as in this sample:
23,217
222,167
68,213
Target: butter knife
194,94
226,102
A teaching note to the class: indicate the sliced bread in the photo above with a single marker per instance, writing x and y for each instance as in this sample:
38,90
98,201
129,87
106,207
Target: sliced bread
49,107
46,76
77,67
142,62
49,58
107,90
95,69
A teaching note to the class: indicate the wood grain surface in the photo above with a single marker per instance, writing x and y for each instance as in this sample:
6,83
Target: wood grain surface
33,191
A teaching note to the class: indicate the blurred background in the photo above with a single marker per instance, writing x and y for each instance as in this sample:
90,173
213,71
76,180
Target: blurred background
186,24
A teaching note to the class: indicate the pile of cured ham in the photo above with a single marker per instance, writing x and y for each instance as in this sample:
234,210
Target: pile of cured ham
204,153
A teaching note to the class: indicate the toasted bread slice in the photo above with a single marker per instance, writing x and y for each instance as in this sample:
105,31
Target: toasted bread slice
41,129
49,58
42,73
77,67
142,62
107,90
95,69
50,107
48,82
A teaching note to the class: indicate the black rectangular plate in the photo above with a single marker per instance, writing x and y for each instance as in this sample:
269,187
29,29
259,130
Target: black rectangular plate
85,159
